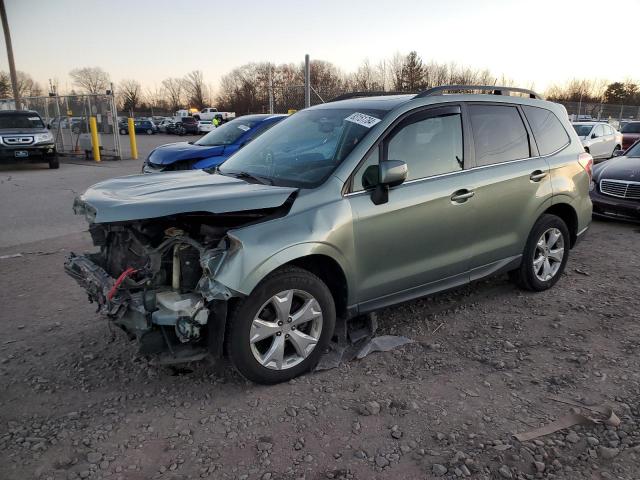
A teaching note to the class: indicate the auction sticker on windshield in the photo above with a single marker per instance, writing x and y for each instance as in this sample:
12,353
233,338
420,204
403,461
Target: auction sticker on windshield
362,119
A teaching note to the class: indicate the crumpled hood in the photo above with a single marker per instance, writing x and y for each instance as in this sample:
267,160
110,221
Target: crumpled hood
137,197
619,168
175,152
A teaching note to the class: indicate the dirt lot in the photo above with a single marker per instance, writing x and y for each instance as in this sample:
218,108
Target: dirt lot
75,404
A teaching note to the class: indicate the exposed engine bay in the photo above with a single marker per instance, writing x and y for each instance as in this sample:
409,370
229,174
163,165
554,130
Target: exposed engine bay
155,279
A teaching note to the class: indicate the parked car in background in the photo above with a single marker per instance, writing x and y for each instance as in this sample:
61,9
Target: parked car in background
630,134
140,126
205,126
212,149
599,139
336,211
615,190
162,125
25,138
210,113
190,125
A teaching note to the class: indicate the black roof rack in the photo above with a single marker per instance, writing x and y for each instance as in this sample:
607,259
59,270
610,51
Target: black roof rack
346,96
495,90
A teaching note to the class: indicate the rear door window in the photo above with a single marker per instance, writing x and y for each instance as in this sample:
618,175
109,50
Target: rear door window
549,133
499,134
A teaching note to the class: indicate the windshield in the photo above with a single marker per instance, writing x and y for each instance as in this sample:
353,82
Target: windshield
582,130
228,133
634,150
20,120
304,149
631,128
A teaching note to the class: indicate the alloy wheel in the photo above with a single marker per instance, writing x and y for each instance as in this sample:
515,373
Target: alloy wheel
286,329
548,255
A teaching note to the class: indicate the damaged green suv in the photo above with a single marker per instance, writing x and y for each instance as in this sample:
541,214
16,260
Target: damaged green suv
339,210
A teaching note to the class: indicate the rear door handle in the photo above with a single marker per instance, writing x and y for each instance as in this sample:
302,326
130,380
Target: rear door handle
461,196
537,175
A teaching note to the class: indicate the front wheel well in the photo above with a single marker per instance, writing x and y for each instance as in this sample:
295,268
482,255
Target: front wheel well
569,216
331,273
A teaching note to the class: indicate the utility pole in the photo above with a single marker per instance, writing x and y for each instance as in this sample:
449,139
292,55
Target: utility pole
307,82
12,65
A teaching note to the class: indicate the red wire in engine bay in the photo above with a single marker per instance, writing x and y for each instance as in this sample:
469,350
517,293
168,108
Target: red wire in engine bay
121,278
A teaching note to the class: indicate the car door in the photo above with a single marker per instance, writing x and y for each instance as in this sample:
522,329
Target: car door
609,140
598,140
416,242
511,185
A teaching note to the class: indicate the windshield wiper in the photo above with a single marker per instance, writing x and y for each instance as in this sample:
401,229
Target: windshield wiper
251,176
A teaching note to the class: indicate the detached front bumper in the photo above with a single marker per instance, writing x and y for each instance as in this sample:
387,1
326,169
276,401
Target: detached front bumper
614,207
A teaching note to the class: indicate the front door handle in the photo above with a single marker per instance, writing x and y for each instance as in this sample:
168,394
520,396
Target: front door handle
537,175
461,196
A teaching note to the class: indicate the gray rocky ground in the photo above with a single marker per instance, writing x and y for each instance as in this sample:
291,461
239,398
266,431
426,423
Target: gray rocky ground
76,401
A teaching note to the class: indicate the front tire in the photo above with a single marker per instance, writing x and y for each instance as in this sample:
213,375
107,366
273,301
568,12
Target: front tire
54,163
281,329
149,132
545,255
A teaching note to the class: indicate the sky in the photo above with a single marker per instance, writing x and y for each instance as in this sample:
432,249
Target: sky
535,43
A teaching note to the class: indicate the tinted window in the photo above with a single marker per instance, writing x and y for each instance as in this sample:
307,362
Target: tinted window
20,120
498,134
631,128
549,133
583,130
367,177
431,146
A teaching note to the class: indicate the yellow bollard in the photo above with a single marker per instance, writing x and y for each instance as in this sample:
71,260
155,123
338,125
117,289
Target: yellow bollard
95,142
132,139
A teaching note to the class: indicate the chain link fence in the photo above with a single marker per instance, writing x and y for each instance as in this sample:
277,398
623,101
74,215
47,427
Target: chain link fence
68,117
612,113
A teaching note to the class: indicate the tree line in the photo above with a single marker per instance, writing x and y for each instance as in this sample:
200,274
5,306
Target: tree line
251,87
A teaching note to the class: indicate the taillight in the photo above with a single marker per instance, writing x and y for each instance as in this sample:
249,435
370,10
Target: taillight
586,160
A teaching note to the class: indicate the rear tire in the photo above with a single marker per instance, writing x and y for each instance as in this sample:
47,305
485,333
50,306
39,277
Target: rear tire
54,163
615,149
149,132
305,314
544,259
123,131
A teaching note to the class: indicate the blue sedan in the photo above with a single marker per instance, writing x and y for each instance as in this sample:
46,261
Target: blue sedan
212,149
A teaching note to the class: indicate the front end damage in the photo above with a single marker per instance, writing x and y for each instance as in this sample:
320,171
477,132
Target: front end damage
156,279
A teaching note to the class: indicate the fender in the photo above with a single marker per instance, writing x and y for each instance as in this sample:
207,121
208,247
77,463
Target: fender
293,252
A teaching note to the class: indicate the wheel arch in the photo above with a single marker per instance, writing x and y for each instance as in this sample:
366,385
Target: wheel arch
321,259
569,216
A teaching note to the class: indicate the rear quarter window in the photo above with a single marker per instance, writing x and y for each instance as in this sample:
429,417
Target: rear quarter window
499,135
549,133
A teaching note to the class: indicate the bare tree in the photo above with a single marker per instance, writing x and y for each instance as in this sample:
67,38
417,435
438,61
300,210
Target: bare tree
396,65
174,92
130,93
195,88
5,85
90,79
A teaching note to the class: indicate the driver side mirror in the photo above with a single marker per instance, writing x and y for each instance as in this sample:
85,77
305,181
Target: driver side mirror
390,173
593,135
48,126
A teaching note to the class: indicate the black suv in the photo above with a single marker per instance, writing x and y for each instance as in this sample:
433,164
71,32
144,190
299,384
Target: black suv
25,137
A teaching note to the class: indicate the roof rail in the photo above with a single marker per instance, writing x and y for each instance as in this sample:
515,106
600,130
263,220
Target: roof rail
496,90
346,96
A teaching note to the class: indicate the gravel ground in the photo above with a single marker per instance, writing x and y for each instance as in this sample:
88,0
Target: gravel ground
77,402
